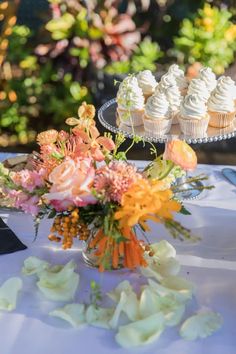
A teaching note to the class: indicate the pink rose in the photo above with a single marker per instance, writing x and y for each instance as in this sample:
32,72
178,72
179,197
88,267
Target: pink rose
71,184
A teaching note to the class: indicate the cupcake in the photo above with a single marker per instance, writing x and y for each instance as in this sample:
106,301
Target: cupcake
221,107
207,75
147,83
174,98
193,117
130,102
198,86
167,80
181,80
157,117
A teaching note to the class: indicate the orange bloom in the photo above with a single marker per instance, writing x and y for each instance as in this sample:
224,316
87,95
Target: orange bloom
94,144
145,200
86,111
181,154
47,137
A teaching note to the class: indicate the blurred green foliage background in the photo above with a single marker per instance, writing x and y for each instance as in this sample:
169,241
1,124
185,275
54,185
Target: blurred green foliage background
55,54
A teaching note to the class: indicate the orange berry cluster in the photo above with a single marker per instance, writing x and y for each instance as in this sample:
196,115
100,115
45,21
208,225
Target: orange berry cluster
148,249
65,228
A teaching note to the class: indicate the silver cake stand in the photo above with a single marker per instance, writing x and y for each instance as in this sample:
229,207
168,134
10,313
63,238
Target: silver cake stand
107,116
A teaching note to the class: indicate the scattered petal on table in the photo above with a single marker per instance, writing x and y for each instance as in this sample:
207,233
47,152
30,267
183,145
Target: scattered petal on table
169,306
177,286
149,302
130,306
201,325
99,317
113,323
72,313
162,263
34,265
122,286
142,332
8,293
172,309
59,285
163,249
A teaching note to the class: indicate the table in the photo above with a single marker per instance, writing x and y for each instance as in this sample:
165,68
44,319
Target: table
210,264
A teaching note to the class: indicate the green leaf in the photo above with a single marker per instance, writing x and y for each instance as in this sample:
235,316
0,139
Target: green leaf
184,211
52,214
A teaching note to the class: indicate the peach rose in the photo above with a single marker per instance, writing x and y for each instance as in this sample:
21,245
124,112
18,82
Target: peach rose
181,154
71,184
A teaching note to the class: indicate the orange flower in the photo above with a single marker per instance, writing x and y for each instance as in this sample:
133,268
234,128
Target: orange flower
145,200
94,144
47,137
181,154
86,111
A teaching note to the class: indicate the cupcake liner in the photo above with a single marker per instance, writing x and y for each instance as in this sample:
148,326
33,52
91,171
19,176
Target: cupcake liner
157,127
221,120
194,127
131,118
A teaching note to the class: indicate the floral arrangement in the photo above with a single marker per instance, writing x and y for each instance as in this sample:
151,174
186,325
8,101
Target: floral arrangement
83,181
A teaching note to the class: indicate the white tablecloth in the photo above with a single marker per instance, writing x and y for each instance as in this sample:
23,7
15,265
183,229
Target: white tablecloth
210,264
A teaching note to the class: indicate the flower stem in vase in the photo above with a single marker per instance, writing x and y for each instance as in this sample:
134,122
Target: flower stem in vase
109,253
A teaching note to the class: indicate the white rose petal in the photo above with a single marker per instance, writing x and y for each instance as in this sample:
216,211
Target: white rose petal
179,287
59,284
126,300
99,317
201,325
113,323
162,263
8,293
172,309
34,265
163,249
122,286
72,313
142,332
151,302
161,268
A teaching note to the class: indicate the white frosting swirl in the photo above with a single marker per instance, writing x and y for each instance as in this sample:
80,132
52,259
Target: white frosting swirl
198,86
181,80
167,80
157,106
130,95
193,107
234,91
175,70
174,98
222,99
207,75
146,81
